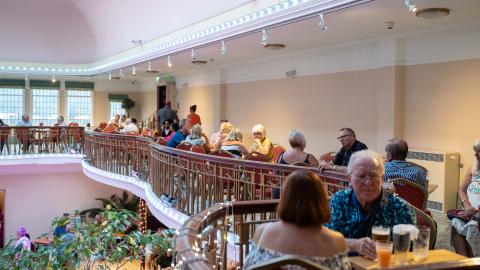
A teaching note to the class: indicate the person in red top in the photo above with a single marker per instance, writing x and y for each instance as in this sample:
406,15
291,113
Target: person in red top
193,117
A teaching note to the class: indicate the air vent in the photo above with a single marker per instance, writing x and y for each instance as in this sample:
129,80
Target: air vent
425,156
435,205
115,78
199,62
432,13
274,46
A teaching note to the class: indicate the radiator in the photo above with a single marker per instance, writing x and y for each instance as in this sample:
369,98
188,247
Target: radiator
443,170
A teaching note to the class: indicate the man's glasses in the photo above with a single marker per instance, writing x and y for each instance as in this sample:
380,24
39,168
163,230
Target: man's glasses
343,136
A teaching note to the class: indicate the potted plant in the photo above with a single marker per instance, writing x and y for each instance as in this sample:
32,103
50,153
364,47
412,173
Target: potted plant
127,104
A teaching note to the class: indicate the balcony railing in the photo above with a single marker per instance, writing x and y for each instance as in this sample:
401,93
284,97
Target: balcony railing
40,140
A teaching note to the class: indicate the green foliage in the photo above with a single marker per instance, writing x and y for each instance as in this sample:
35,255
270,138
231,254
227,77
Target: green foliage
123,202
105,246
128,103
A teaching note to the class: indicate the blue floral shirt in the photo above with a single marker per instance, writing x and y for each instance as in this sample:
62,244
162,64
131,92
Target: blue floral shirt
347,214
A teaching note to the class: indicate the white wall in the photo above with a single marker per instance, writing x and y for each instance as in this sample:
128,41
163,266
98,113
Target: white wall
33,200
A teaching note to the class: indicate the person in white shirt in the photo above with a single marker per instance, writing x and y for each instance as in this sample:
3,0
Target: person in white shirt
131,126
22,241
60,122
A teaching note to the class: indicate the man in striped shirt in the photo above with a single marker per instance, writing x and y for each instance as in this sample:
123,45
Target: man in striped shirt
397,166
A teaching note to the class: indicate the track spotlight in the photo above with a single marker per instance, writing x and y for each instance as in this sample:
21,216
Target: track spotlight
224,48
169,62
134,70
149,66
194,55
110,76
264,37
54,80
322,23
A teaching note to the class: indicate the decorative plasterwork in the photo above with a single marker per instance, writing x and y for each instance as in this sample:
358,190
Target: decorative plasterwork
280,13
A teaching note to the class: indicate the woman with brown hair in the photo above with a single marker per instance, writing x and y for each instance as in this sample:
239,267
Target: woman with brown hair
303,209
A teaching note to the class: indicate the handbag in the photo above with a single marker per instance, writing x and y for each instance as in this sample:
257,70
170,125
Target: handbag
462,215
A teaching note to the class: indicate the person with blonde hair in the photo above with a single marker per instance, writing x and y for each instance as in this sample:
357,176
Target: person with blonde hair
234,143
297,141
225,129
302,212
216,135
261,143
465,235
196,137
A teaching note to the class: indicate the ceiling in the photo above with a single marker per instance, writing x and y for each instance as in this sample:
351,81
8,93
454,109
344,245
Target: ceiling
104,35
84,31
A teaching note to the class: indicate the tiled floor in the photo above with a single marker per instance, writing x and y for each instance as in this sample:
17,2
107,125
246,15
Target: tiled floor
443,231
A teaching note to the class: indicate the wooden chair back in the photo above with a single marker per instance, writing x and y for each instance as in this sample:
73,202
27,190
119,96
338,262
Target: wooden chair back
256,156
161,141
423,219
198,149
277,150
221,153
412,192
184,146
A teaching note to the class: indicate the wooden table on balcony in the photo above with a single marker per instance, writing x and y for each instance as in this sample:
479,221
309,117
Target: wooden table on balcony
42,241
431,188
434,256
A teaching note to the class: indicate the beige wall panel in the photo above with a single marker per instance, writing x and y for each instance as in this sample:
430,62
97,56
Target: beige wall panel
441,107
147,104
207,99
318,105
101,108
33,200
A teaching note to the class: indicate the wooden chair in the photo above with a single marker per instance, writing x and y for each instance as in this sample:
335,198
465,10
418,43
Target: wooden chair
161,141
278,263
112,128
102,126
412,192
147,133
423,219
198,149
221,153
256,156
277,150
184,146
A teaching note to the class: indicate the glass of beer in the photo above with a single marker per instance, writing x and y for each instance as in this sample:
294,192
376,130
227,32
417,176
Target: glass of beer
384,250
401,244
380,233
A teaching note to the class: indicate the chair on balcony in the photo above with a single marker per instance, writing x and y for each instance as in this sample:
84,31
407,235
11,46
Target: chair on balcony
277,150
225,172
133,133
279,263
412,192
184,146
425,220
261,192
256,156
198,149
161,141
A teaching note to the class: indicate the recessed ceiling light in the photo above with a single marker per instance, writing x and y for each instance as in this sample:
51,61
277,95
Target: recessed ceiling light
432,13
274,46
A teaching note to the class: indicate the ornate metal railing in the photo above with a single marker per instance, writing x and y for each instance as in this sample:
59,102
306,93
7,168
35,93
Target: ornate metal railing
40,140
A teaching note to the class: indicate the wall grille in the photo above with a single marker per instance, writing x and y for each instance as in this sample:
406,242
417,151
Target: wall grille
425,156
435,205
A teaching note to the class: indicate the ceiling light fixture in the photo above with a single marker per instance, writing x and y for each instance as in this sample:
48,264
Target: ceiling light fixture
264,37
149,66
194,55
224,48
169,62
134,70
110,76
412,7
322,23
26,77
54,80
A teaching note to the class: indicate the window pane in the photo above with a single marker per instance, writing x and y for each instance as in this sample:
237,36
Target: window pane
44,106
11,105
79,106
116,108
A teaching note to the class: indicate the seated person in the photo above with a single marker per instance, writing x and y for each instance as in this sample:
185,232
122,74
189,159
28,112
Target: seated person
180,135
25,122
130,126
115,121
166,129
355,210
234,144
175,128
123,121
397,167
60,122
296,154
216,135
61,230
196,137
350,145
261,143
302,210
225,129
465,234
23,242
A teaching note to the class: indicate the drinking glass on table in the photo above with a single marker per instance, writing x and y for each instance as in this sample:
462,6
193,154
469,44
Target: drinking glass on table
384,253
421,244
401,245
380,233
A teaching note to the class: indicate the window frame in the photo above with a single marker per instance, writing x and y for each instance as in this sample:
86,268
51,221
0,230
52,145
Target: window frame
67,118
31,113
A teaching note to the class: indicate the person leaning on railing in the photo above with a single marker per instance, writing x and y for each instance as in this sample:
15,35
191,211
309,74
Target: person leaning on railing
302,210
366,204
466,235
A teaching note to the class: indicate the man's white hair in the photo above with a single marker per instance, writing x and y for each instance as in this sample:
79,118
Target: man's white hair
366,154
259,128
